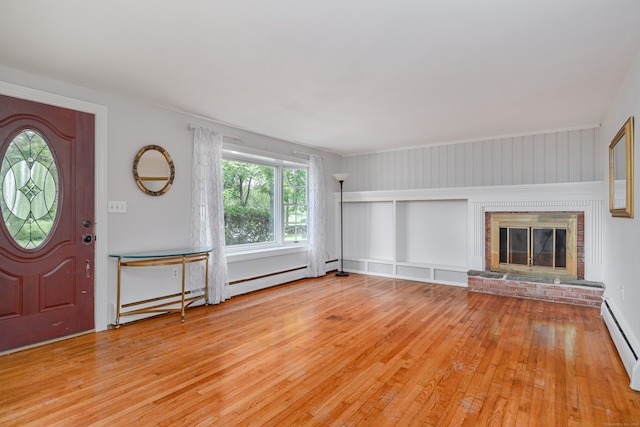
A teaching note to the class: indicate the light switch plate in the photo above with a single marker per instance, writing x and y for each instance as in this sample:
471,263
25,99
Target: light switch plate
117,207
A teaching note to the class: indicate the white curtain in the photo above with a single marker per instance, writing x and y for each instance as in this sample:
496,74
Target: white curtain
316,262
207,213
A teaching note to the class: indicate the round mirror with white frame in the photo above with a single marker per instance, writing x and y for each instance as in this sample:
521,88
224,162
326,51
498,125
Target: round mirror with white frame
153,170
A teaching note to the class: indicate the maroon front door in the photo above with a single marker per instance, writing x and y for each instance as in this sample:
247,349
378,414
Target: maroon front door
47,221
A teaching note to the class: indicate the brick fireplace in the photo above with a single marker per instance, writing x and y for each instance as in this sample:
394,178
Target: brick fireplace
555,276
572,222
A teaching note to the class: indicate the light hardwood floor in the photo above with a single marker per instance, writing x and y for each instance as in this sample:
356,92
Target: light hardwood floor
350,351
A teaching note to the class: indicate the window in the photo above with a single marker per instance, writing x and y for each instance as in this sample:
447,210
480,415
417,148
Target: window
265,202
249,191
29,187
294,189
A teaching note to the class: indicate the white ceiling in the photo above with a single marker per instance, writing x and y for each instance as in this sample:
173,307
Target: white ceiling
348,76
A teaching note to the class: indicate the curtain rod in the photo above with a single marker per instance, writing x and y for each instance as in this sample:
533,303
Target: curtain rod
302,153
237,138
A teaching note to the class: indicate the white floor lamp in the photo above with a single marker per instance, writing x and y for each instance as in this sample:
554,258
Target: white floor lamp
341,178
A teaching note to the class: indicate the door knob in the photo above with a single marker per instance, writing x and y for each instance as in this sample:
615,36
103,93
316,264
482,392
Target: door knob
87,238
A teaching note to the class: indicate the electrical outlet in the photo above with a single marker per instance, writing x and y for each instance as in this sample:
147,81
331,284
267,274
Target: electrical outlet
622,293
175,273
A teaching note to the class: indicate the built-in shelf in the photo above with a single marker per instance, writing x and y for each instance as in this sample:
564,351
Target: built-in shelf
451,275
423,240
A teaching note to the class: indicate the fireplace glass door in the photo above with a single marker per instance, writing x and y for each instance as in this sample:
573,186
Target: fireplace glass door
514,246
533,247
534,243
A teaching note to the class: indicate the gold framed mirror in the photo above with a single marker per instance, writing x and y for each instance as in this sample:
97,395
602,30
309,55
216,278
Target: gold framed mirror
153,170
621,172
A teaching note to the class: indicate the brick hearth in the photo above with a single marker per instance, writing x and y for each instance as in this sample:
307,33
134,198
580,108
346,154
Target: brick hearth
576,292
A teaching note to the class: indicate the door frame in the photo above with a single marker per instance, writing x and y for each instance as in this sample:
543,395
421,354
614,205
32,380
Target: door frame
100,231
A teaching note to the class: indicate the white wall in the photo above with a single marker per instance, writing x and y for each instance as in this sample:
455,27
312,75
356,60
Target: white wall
622,235
545,158
159,222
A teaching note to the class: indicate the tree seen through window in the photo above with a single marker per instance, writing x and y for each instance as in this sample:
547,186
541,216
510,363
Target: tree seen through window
264,203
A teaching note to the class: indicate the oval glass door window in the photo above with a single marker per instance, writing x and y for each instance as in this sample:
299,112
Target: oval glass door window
30,189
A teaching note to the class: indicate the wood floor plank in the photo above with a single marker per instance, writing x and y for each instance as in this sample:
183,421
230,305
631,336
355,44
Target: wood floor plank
357,350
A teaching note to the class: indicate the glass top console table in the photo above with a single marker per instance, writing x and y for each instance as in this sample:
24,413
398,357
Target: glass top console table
165,303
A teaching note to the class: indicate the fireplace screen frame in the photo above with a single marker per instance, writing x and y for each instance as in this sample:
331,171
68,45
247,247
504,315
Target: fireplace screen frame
530,221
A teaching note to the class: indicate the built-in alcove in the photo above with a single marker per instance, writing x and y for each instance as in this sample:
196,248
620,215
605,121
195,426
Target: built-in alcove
425,240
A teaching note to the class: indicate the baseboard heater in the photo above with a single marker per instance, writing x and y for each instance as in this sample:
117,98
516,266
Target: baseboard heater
627,347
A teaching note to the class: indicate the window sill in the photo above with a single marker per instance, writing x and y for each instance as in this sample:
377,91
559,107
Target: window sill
264,253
